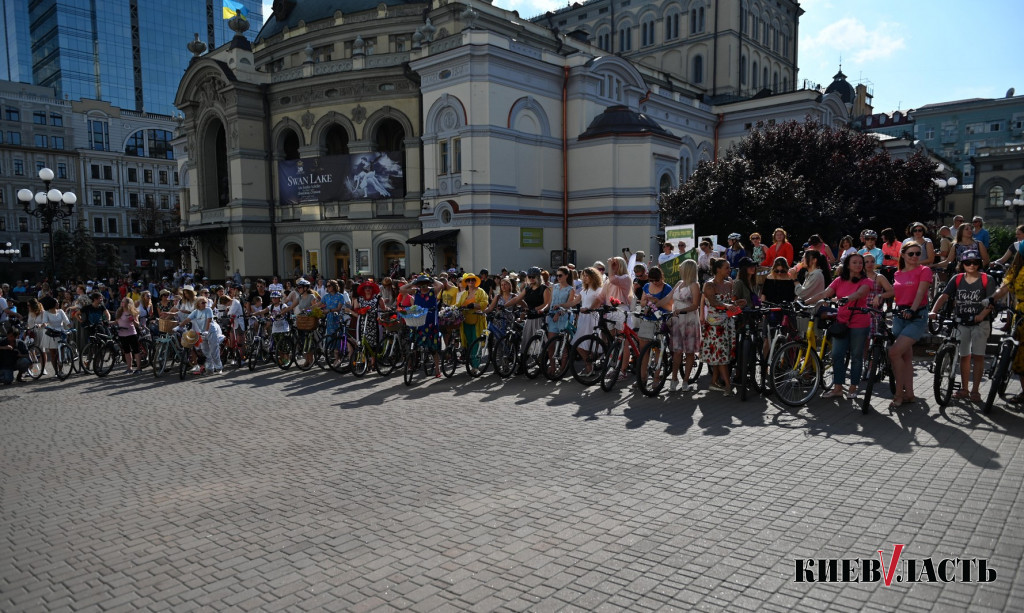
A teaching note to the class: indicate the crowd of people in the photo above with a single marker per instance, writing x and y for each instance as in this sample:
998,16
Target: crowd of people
871,270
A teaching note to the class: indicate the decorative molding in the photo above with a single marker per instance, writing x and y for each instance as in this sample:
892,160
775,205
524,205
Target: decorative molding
373,226
332,67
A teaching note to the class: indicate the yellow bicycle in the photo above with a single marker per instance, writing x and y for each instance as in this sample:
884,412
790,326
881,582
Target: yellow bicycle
798,369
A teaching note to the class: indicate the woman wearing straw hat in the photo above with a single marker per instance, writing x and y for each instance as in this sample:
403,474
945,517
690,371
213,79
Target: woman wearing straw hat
471,296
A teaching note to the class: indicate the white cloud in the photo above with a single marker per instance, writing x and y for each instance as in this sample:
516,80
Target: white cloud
852,39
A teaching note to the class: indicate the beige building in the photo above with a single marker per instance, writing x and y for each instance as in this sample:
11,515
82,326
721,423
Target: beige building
376,136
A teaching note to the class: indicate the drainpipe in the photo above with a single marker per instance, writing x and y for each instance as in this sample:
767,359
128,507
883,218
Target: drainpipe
565,167
271,201
714,55
718,124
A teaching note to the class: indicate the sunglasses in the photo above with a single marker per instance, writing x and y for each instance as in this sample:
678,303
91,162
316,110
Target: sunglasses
916,230
913,254
559,275
972,263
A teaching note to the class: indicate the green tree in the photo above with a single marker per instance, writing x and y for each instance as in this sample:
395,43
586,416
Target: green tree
808,179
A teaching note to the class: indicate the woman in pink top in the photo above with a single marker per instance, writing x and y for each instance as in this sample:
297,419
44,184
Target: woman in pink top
851,285
911,319
619,286
127,319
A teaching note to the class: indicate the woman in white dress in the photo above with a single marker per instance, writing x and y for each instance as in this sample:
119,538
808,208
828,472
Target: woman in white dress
590,298
51,317
685,321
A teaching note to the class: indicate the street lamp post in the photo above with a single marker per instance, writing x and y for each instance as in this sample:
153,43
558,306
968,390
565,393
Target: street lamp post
51,205
1015,204
157,253
943,188
10,252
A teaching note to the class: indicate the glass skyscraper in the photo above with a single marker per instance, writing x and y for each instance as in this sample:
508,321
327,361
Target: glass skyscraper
16,65
130,53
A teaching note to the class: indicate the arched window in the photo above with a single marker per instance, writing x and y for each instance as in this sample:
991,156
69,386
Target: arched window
697,20
764,77
743,70
672,26
390,136
685,167
753,76
698,69
775,82
136,144
995,196
336,140
647,32
213,160
665,185
289,145
159,142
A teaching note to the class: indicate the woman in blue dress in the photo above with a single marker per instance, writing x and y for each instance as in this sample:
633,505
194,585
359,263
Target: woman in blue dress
425,291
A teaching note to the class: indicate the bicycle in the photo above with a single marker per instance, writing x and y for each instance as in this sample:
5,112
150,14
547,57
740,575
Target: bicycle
507,356
1008,348
338,348
555,352
878,365
454,353
589,354
797,370
480,355
417,355
381,353
627,340
750,359
945,364
656,358
66,352
165,347
100,353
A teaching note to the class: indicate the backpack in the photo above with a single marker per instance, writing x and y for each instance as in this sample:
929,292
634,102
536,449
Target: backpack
984,281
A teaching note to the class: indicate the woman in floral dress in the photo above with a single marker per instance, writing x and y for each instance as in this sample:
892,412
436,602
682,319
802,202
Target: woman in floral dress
718,331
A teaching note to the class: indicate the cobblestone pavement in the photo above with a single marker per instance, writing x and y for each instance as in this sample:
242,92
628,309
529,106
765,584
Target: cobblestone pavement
312,491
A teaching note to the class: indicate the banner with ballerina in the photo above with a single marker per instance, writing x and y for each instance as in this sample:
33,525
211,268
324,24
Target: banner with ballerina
331,178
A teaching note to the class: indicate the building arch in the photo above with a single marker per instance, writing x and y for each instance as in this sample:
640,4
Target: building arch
446,114
527,110
291,256
329,123
337,255
388,247
280,133
381,115
212,161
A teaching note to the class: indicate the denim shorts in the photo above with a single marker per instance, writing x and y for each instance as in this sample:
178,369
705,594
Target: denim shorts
911,328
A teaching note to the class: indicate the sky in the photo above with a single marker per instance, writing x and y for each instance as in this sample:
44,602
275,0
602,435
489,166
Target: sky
911,52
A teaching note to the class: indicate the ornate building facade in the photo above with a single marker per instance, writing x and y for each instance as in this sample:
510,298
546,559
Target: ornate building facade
367,137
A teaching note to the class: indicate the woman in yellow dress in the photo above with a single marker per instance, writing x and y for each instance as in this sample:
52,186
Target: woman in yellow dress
471,296
1013,283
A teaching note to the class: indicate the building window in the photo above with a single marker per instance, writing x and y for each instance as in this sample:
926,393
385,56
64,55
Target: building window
108,173
743,70
3,224
626,39
163,177
109,198
12,114
647,33
136,145
442,157
175,175
19,168
323,53
698,69
39,118
97,197
994,127
56,142
929,133
62,170
136,226
149,201
56,120
40,140
23,224
697,20
456,155
160,144
97,225
165,202
672,27
133,175
26,250
40,165
995,196
94,171
14,138
147,176
133,201
112,225
99,135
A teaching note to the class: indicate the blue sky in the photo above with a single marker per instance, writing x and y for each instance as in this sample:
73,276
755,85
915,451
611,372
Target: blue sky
913,52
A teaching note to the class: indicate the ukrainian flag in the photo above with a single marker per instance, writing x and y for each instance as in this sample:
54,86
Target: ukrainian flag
232,8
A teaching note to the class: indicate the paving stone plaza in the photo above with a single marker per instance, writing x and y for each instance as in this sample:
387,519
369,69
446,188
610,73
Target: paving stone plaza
281,490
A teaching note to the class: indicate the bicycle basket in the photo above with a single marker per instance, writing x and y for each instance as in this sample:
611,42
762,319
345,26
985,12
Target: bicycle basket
450,317
648,328
54,333
391,322
415,316
306,322
167,325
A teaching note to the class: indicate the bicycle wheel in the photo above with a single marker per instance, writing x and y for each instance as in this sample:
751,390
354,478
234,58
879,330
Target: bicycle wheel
284,352
160,359
86,357
65,360
655,367
106,356
254,352
611,373
387,359
145,353
945,374
506,356
478,358
589,355
744,372
696,371
412,365
795,373
876,367
532,356
360,360
449,361
36,364
555,357
1000,375
184,363
338,350
305,351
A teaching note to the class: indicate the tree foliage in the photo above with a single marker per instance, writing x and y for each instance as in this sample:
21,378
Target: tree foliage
808,179
75,253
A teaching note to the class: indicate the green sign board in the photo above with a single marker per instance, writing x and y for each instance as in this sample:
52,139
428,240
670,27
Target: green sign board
531,238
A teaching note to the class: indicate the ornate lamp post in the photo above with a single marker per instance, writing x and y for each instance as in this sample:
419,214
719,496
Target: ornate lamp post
943,188
10,252
51,205
1015,204
157,253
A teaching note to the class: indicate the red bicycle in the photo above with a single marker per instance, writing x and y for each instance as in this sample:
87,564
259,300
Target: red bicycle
627,339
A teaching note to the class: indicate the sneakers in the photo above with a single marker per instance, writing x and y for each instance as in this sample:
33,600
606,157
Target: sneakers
727,391
715,387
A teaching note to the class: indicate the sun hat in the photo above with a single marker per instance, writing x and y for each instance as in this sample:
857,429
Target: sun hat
369,283
598,264
189,338
466,277
422,279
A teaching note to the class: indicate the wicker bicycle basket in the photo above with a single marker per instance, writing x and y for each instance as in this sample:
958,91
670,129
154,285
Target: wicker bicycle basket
167,325
306,322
